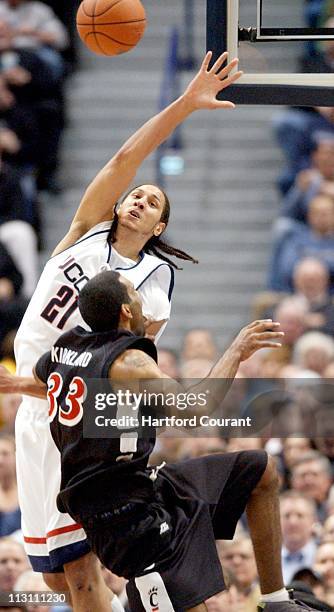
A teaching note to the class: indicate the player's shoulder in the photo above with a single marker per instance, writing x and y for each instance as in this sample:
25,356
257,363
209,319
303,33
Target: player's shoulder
97,234
133,362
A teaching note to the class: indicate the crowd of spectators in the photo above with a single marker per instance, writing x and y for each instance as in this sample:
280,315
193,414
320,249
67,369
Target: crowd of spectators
37,54
289,391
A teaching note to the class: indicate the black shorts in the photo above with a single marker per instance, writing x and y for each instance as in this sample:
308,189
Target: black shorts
167,548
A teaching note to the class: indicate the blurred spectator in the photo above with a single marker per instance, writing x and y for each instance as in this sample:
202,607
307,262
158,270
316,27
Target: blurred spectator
314,181
10,515
313,13
231,600
329,371
328,529
324,565
37,116
12,306
13,562
312,579
314,351
240,444
311,474
291,314
321,58
297,129
7,357
298,515
273,360
199,344
170,447
20,240
9,407
311,280
12,206
316,240
168,362
252,367
33,581
67,13
293,448
33,25
197,447
238,557
293,371
16,232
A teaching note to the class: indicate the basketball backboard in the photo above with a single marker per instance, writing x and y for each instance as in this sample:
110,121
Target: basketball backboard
226,30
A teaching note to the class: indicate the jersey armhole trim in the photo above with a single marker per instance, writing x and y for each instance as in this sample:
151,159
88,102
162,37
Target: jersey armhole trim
171,283
79,242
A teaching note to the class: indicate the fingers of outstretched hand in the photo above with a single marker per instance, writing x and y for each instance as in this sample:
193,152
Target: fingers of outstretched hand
206,61
223,104
231,79
268,335
219,63
264,325
267,344
226,70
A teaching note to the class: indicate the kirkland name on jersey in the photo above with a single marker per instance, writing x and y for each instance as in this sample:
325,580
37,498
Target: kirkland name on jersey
53,308
61,354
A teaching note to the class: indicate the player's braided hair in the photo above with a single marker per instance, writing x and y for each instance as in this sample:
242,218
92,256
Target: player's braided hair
155,245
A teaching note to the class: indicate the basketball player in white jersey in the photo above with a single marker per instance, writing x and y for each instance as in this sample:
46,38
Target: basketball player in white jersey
95,240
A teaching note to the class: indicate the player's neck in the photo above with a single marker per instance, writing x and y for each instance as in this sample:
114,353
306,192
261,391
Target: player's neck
129,244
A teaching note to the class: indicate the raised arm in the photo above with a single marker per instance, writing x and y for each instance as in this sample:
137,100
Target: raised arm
115,178
135,366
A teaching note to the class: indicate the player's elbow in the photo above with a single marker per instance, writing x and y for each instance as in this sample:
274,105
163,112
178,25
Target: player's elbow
124,160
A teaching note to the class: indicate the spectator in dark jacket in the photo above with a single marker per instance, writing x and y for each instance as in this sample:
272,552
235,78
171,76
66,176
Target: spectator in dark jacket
301,241
12,306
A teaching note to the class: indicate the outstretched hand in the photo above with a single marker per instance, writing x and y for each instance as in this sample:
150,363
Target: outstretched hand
203,89
257,335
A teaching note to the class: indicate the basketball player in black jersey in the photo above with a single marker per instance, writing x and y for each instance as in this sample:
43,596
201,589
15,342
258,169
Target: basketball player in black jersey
156,527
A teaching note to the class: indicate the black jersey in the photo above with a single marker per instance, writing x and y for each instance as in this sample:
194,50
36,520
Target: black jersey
94,475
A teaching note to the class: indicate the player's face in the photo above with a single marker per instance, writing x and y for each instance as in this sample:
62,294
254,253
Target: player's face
142,209
136,308
13,562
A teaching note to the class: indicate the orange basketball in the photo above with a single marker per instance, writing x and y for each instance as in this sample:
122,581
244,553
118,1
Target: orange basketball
110,27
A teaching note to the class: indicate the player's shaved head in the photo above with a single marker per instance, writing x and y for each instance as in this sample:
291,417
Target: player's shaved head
101,299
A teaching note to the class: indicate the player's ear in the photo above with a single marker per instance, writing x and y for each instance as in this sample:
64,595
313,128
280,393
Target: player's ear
126,313
159,228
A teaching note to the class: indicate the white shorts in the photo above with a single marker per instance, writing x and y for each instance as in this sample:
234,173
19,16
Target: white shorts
51,538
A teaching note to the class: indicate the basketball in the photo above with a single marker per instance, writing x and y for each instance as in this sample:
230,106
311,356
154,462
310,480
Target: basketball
111,27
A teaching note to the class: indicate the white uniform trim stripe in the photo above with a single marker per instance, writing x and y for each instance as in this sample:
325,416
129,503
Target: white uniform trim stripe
64,539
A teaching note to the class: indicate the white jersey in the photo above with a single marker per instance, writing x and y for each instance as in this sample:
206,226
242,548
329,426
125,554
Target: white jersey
53,307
